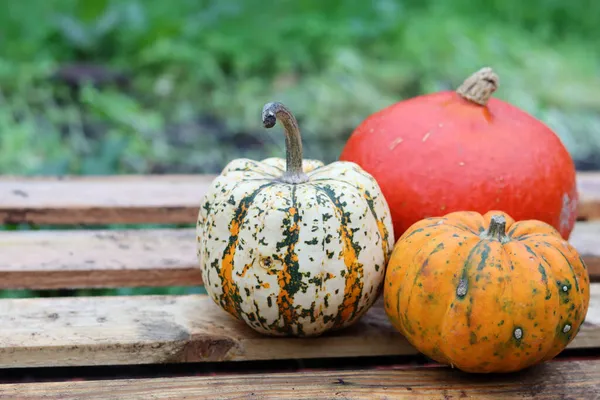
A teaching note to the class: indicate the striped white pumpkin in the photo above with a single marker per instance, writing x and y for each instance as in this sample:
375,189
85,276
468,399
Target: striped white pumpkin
294,256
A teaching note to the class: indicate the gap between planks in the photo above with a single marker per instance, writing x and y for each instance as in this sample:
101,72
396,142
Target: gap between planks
144,258
125,330
551,380
143,199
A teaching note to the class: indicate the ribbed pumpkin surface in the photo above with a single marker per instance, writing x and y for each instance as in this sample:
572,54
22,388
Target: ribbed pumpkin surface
294,259
486,301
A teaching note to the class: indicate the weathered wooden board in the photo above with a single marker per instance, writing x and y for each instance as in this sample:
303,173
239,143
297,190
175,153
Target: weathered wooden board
551,380
135,258
147,198
163,329
586,239
134,199
175,329
589,195
98,259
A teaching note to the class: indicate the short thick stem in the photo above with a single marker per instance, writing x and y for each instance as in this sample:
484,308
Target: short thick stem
480,86
272,112
496,230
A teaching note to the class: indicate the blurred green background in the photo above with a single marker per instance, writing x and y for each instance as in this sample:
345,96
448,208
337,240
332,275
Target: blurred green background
132,86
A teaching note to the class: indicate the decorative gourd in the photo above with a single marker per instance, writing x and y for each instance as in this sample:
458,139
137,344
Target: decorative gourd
464,150
486,293
293,247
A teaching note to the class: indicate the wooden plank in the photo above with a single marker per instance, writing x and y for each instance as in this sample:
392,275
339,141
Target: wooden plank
134,199
178,329
589,195
98,259
163,329
147,198
551,380
134,258
586,239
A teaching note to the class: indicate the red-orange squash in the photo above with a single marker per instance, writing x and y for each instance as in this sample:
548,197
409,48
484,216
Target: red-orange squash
465,150
486,293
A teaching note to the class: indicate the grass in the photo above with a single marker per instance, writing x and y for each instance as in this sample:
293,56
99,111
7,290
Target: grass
198,74
111,87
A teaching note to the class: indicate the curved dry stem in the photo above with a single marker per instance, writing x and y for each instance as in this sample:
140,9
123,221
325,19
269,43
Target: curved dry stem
293,142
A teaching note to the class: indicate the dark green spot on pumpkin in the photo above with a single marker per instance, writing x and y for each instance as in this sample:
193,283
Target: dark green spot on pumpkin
484,256
469,311
414,232
316,280
564,288
472,338
439,247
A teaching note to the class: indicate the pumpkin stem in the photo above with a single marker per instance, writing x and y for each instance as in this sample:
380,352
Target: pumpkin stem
293,143
480,86
497,229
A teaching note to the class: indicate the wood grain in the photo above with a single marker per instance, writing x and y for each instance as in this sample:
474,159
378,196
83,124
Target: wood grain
135,258
133,199
586,239
163,329
551,380
157,199
98,259
177,329
588,185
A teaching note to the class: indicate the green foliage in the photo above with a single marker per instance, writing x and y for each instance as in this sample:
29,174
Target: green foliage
199,72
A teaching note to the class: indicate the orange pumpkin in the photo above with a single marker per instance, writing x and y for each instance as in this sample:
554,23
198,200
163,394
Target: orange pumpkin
484,293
